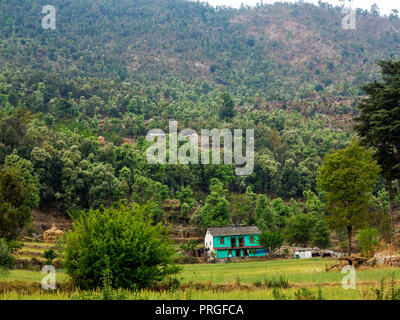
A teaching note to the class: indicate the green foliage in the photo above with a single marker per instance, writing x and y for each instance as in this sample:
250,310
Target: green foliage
379,215
187,201
348,177
307,294
265,217
122,240
7,261
188,249
107,292
387,290
145,189
18,196
321,236
279,295
368,241
226,106
205,75
299,229
215,211
277,282
106,187
282,211
50,255
377,123
271,240
313,203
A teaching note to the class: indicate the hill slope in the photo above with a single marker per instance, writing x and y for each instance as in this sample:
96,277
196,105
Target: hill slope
279,51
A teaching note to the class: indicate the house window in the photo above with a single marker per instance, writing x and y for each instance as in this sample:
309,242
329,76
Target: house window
222,240
251,239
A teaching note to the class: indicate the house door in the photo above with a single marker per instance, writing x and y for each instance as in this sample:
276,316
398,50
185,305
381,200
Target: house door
245,253
238,253
233,242
241,242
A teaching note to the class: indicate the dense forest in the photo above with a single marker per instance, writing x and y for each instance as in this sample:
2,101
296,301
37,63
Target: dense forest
76,102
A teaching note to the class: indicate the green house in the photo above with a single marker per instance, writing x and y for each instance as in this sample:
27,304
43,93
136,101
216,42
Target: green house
234,242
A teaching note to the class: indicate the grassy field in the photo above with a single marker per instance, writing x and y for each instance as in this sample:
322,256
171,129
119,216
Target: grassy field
304,271
237,281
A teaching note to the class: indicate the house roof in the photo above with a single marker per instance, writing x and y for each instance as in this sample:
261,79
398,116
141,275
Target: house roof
234,231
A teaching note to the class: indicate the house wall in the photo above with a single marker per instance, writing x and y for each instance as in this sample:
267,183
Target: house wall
227,243
209,240
209,243
224,253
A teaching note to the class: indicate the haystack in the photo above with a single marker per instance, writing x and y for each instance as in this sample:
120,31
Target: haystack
53,234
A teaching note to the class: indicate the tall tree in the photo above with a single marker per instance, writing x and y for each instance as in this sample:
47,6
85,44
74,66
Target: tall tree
226,106
379,123
265,218
299,229
215,212
19,195
348,177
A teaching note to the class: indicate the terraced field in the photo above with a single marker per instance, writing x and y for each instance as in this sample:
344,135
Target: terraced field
31,255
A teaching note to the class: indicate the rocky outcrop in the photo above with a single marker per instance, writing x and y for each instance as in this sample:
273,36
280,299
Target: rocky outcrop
386,259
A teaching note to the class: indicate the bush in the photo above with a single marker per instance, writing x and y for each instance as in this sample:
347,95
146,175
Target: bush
368,241
307,294
387,290
50,255
278,294
271,240
280,282
6,259
122,240
19,195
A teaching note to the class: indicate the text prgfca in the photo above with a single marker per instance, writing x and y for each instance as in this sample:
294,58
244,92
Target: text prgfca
188,152
204,310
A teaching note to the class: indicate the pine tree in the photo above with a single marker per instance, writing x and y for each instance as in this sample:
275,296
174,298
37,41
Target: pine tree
379,123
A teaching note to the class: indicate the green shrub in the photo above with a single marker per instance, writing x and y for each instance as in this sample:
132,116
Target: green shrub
107,292
50,255
278,294
6,259
280,282
368,241
387,290
304,294
14,246
271,240
123,240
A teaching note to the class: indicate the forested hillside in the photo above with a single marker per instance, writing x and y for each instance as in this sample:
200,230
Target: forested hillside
277,51
119,68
